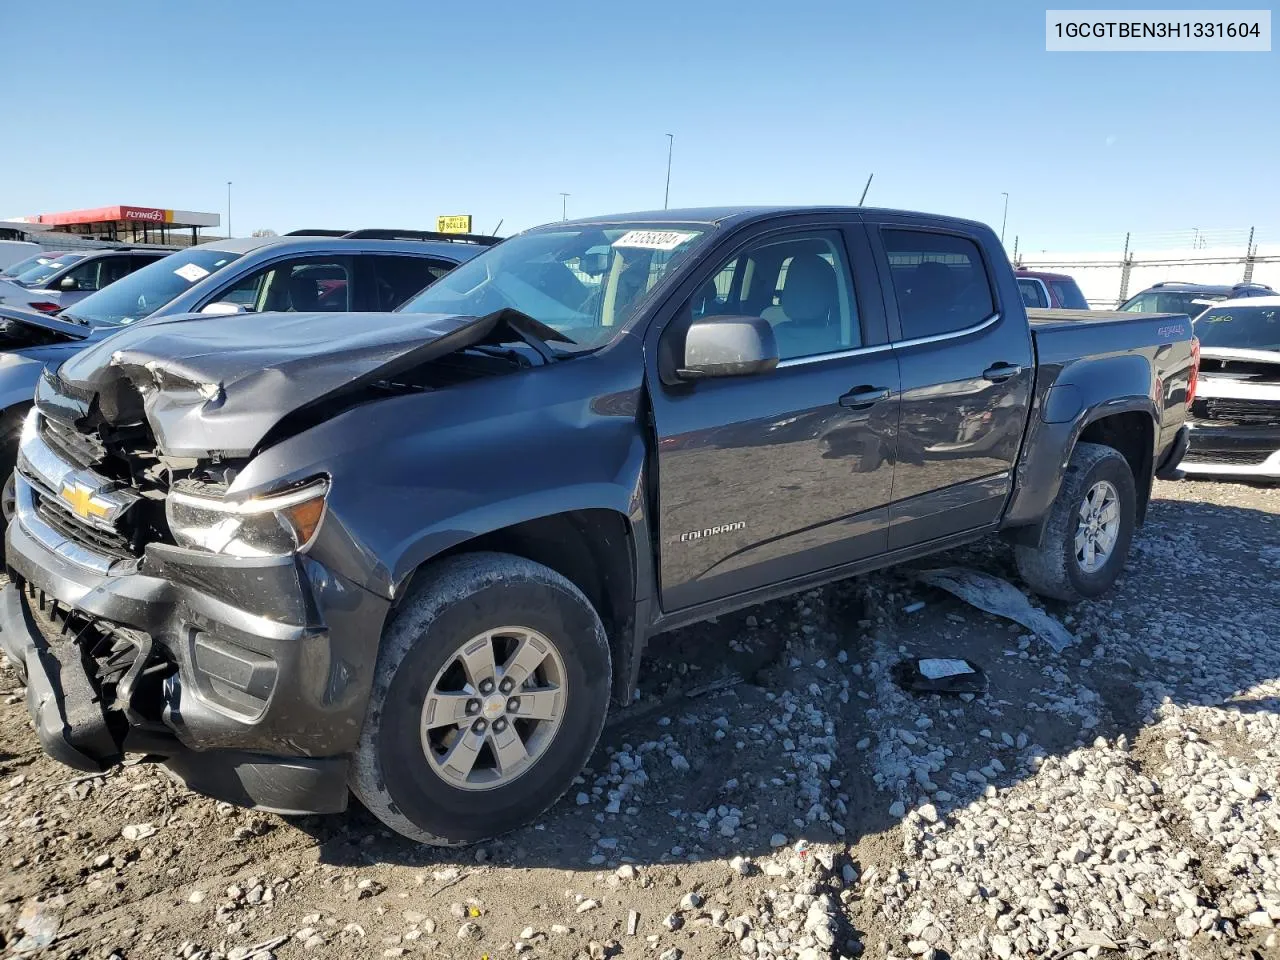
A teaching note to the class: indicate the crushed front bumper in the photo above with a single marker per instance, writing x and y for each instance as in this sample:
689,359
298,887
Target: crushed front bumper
1247,451
247,678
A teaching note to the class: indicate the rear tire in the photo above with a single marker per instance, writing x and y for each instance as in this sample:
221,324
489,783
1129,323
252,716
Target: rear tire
429,696
1097,477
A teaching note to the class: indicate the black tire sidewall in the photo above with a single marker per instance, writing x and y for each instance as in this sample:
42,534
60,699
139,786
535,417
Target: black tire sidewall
410,782
1115,470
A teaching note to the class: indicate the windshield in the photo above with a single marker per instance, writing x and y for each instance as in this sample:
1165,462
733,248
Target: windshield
16,269
147,290
586,282
38,274
1192,304
1240,328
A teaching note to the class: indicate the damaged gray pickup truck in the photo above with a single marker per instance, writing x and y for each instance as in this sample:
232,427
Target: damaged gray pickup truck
412,555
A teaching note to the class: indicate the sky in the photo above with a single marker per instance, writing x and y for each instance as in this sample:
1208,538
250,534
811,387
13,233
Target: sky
387,114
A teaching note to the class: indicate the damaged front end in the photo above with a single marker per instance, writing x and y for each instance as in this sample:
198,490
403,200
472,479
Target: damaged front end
152,608
1235,418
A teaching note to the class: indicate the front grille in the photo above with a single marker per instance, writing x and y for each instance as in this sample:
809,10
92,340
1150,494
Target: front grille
110,544
1225,410
70,445
1227,458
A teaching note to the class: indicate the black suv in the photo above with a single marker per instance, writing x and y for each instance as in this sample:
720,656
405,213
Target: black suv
1173,296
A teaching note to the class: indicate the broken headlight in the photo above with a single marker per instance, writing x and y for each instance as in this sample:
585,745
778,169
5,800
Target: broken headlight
270,526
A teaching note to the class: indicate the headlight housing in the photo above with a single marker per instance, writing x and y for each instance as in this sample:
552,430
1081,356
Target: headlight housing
275,525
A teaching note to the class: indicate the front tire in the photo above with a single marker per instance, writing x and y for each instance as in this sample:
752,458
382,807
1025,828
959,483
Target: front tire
1089,529
490,692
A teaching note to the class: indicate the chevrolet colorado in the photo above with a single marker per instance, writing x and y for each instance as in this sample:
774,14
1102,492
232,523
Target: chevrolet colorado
412,555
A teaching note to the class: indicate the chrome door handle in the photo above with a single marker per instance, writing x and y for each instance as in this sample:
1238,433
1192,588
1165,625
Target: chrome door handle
862,397
1000,372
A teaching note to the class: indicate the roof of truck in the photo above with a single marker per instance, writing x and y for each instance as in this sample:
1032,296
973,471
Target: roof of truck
726,215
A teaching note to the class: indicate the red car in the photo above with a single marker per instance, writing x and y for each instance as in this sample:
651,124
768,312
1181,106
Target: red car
1056,290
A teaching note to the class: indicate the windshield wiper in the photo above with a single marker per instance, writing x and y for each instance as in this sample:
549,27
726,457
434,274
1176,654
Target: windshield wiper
532,331
83,321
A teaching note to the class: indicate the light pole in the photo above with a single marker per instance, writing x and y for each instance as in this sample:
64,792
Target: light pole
1005,218
666,196
564,206
228,209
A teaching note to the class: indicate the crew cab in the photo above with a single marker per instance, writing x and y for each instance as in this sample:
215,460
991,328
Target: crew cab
413,554
305,271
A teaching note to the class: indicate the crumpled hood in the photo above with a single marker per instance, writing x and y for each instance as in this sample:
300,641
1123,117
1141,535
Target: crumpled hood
218,384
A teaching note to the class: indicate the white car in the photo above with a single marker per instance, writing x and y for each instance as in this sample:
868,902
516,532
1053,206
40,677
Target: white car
1235,417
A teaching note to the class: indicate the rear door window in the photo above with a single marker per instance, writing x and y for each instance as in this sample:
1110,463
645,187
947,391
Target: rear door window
1032,292
397,278
315,285
939,281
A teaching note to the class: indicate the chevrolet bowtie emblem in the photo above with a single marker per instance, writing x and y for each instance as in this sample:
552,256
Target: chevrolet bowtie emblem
83,501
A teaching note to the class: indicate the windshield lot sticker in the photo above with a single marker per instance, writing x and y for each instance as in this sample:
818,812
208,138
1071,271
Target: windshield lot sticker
191,272
652,239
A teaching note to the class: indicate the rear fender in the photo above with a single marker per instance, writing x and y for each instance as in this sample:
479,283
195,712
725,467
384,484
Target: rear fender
1070,397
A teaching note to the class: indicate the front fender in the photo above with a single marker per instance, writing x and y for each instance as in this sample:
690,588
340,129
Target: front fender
1069,397
416,475
19,373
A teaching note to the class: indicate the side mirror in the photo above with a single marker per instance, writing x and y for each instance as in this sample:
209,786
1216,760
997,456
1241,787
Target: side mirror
728,347
68,284
222,307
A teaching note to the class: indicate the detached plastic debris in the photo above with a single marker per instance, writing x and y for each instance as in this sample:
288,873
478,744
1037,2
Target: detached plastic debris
999,597
937,675
39,923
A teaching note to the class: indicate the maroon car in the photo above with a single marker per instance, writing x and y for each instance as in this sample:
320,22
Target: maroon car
1056,290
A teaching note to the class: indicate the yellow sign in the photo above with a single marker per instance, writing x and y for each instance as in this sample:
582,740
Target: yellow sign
460,223
82,500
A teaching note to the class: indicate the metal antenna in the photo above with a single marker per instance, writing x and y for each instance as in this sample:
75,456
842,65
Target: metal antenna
864,190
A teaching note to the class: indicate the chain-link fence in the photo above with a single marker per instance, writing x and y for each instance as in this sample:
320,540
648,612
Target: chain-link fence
1141,260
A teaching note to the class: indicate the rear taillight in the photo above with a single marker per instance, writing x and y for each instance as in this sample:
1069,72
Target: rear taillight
1193,376
46,307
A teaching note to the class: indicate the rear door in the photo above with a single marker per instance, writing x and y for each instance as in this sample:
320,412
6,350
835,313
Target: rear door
964,350
767,477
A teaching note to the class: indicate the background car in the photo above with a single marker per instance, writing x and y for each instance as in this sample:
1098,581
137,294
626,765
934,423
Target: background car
16,251
304,272
39,259
1056,290
55,286
1235,416
1173,296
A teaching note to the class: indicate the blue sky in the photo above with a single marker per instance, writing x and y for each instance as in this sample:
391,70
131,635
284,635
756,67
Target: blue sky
389,113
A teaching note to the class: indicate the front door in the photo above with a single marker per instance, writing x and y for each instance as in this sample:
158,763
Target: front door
767,477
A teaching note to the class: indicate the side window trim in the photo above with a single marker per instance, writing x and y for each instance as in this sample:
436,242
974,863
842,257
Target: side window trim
890,294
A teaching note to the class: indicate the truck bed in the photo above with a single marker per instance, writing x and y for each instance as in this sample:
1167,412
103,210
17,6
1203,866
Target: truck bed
1062,336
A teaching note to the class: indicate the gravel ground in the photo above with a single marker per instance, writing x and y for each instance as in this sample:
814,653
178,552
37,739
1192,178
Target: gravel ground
774,793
